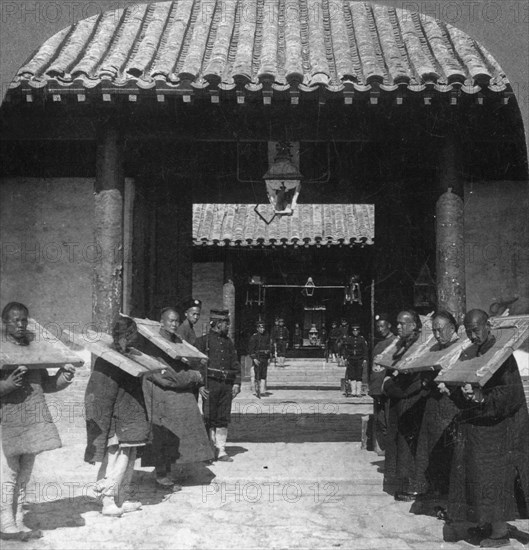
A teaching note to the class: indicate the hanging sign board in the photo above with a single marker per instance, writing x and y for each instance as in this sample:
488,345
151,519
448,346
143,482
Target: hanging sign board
134,362
509,333
177,350
45,350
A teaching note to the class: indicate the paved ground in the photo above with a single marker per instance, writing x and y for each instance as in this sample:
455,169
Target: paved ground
299,480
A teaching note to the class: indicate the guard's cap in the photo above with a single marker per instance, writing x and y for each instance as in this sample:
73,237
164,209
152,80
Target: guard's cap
344,320
259,323
355,325
219,315
382,317
191,302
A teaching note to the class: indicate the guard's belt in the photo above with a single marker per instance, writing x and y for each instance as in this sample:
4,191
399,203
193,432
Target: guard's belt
221,375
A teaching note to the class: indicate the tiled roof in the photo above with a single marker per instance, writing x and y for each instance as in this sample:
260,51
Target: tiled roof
258,45
310,224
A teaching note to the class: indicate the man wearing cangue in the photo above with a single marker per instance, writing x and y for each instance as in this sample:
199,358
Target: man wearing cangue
178,432
223,379
116,423
377,375
186,330
407,400
23,436
259,349
435,443
489,478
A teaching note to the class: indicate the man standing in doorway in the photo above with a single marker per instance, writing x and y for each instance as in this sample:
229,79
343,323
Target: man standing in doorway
259,351
280,336
186,330
223,379
355,353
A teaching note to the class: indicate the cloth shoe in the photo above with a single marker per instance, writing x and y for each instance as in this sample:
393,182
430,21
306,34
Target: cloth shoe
7,517
110,508
130,506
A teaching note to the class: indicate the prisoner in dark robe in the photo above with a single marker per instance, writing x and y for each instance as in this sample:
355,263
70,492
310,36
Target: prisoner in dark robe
435,444
179,435
489,479
186,330
377,375
116,423
407,399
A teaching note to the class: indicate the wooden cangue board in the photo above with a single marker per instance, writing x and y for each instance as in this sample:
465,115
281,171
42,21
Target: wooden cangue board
510,333
135,362
430,357
177,350
423,344
45,350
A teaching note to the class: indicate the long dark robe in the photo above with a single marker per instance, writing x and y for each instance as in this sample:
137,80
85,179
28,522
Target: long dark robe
435,444
489,479
179,435
407,403
114,406
436,440
407,400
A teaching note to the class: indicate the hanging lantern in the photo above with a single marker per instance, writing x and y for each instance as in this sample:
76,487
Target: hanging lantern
352,291
283,181
308,291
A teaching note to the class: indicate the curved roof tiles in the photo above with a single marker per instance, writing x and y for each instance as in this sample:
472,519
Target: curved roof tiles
251,44
310,224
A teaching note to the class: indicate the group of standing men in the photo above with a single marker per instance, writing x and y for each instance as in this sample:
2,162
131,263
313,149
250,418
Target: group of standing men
468,444
158,414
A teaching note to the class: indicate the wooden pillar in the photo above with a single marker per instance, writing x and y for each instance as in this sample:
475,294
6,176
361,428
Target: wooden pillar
228,294
449,231
109,190
450,254
228,302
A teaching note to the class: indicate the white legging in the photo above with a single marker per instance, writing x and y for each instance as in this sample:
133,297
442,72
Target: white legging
15,472
115,474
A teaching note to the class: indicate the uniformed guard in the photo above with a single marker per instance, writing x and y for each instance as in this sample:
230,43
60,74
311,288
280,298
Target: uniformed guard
333,343
355,352
344,333
223,379
259,349
280,336
192,309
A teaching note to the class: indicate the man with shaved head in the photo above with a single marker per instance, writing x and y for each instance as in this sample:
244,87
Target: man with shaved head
489,478
178,433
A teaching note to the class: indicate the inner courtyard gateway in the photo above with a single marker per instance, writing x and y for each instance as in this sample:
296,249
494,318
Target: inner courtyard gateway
389,108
